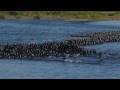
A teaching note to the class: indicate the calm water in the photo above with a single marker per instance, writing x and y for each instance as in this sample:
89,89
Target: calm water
39,31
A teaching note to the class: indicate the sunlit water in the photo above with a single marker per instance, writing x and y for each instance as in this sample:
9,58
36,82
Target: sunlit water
39,31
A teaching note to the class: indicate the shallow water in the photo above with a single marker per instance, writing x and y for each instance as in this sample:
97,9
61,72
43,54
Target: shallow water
39,31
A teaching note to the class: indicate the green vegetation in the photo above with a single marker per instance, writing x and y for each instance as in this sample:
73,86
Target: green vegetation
67,15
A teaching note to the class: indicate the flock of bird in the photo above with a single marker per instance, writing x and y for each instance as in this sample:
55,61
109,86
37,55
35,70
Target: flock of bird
59,48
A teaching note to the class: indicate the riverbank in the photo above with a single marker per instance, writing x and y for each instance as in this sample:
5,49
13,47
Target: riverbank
62,15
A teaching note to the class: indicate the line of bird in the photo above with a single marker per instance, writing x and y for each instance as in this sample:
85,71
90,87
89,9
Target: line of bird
63,48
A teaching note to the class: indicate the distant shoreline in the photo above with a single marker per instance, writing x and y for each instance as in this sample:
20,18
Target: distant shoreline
61,15
61,19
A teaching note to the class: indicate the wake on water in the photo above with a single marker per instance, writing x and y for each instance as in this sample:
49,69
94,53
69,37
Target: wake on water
86,59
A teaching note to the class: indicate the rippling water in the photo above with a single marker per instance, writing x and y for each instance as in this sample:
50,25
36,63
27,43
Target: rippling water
39,31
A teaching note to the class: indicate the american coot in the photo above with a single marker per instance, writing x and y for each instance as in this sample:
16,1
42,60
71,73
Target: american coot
65,48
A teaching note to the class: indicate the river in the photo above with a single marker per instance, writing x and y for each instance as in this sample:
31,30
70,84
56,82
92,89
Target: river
39,31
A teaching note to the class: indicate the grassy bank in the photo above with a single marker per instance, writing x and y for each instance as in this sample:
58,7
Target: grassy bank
67,15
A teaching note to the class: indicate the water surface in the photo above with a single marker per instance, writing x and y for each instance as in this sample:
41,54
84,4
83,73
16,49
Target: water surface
39,31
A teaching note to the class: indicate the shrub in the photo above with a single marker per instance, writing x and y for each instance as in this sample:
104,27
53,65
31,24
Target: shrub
36,17
110,14
12,12
2,17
